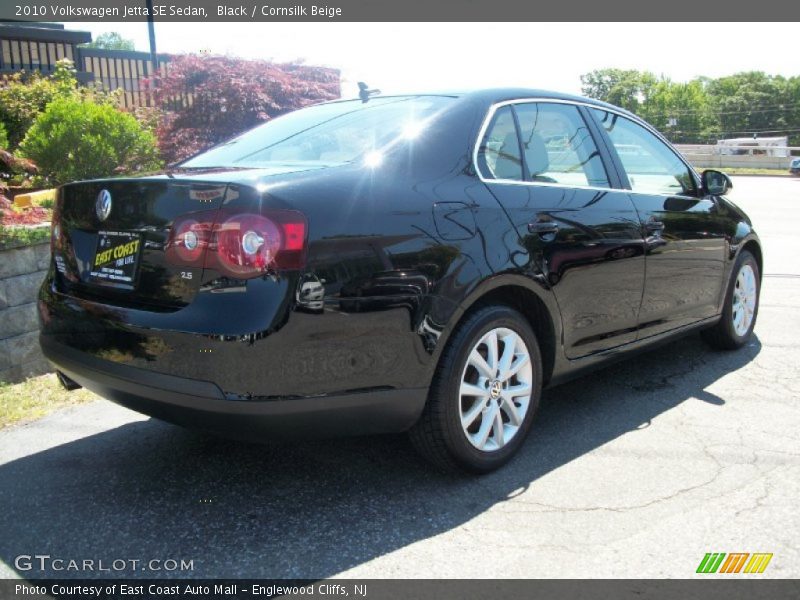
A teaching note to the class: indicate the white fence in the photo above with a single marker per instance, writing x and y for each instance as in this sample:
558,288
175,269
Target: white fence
711,157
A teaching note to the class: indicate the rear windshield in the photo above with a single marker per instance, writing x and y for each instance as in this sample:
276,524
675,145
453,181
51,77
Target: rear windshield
326,134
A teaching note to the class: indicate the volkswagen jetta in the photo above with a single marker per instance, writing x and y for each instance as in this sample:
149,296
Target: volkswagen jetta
422,263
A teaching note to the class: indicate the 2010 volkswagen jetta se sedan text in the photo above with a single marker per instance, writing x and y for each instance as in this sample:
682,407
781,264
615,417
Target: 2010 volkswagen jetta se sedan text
422,263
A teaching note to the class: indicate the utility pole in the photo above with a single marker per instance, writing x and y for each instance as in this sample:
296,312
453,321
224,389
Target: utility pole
151,30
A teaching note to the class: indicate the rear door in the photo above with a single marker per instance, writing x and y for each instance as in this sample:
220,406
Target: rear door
542,163
684,235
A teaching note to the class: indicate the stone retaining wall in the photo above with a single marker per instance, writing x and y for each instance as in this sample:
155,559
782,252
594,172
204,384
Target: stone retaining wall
21,273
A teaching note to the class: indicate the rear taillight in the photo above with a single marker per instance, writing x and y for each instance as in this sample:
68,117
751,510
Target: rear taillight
245,244
239,245
188,241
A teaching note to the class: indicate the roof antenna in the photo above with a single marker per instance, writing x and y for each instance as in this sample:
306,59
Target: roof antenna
364,92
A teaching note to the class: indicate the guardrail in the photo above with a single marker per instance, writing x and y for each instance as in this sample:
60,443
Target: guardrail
755,157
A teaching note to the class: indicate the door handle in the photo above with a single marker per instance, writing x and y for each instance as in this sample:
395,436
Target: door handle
654,226
543,227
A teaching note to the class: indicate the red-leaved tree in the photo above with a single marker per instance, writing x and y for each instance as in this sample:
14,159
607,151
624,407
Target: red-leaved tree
207,99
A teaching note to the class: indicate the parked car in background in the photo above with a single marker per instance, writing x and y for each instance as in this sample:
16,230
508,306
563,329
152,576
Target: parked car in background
794,168
422,263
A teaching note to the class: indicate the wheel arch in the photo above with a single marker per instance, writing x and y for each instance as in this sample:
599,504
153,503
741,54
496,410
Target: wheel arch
535,303
752,245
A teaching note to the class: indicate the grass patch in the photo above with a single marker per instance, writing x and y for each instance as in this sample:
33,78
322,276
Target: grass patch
35,398
13,237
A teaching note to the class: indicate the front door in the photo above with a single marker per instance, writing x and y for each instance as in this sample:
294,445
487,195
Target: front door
684,238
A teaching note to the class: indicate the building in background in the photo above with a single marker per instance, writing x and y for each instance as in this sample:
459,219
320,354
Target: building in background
38,46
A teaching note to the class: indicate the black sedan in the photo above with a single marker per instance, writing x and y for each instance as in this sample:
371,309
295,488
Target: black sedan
422,263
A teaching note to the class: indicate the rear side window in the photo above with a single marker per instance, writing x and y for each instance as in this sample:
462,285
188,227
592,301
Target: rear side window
499,155
651,165
558,146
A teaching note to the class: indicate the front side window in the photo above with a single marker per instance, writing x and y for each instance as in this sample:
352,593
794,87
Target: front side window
326,134
652,167
558,146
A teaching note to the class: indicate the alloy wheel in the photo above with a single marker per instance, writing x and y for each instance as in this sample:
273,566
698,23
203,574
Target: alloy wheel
496,388
744,300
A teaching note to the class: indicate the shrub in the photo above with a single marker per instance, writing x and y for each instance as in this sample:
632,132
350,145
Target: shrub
79,139
21,101
208,99
3,137
24,96
149,117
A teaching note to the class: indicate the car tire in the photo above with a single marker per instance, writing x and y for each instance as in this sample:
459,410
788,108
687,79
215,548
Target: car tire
497,420
740,310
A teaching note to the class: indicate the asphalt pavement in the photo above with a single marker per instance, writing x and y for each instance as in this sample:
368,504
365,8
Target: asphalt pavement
635,471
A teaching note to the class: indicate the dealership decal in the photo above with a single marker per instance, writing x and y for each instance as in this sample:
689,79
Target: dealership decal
120,252
116,257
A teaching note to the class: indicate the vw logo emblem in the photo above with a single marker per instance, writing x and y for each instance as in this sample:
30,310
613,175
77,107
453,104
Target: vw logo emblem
103,205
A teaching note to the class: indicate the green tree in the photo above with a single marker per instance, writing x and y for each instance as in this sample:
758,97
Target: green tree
111,40
755,103
704,109
76,138
793,110
681,110
628,89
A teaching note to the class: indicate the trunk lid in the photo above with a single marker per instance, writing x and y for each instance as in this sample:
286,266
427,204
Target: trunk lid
111,244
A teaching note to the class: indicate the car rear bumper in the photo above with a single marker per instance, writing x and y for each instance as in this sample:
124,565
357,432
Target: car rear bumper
203,404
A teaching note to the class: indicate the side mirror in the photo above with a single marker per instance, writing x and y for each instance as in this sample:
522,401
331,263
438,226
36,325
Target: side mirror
716,183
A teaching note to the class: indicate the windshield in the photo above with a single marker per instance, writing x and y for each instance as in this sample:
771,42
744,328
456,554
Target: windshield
326,134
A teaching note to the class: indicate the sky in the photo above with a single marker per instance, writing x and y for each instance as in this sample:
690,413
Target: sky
400,57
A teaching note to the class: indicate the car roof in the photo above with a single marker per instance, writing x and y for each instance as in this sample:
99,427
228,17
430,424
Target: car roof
503,94
494,95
